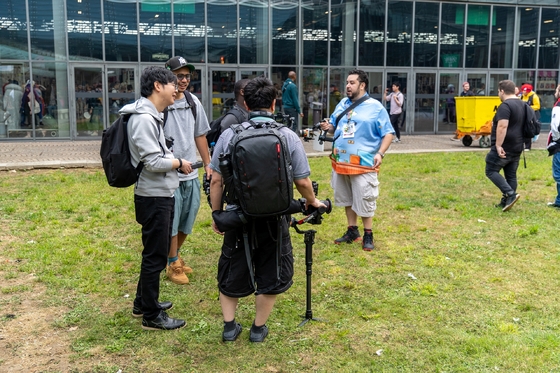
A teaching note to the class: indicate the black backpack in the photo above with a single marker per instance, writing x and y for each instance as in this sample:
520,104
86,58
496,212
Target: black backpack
115,155
216,126
191,103
531,125
261,169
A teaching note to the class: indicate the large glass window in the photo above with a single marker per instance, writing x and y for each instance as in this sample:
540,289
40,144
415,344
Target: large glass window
399,33
545,88
426,34
253,34
343,31
155,32
13,77
315,90
452,35
121,31
372,33
189,31
503,25
222,33
84,30
528,25
548,44
478,31
315,34
48,34
284,32
13,31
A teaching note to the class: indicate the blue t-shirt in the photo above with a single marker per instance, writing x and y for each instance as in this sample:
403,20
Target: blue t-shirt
359,132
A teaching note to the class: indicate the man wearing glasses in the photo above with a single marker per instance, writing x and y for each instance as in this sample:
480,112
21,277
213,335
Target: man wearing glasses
186,125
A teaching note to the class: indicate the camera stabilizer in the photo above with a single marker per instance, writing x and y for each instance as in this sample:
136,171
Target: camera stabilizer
313,216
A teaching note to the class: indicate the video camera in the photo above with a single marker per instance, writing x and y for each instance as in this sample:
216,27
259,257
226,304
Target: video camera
309,133
285,119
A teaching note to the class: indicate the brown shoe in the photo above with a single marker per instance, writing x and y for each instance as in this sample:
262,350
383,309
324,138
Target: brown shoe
187,270
176,274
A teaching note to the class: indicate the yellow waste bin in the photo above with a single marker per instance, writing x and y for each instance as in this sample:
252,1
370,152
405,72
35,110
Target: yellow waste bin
474,118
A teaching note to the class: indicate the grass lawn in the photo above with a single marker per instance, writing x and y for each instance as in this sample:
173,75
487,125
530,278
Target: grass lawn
454,285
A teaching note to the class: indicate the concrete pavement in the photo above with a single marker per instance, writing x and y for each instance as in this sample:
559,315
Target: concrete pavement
19,155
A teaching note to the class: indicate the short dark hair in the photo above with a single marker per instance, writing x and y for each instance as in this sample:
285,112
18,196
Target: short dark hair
153,74
362,76
260,93
239,85
396,84
507,86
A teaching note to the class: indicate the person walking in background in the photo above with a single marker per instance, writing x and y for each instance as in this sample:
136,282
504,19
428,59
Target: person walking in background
554,146
189,135
362,134
290,100
466,90
507,144
273,270
153,192
396,99
531,98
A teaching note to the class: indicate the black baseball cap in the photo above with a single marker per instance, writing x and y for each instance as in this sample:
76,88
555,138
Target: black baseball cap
177,62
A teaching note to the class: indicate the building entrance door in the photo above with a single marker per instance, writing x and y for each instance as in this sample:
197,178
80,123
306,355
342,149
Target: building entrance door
449,88
402,79
99,93
223,81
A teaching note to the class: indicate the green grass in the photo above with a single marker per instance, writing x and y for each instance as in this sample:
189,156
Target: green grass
455,285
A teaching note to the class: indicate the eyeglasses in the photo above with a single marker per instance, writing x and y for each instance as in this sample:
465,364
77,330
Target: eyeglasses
174,85
183,76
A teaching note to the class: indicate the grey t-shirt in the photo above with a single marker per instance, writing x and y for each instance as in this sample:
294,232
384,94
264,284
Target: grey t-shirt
300,165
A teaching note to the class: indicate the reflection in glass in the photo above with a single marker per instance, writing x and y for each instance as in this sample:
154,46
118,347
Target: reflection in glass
89,101
284,33
478,30
478,84
46,27
399,33
528,25
372,33
121,31
253,34
120,83
84,30
314,105
452,35
189,31
548,43
155,32
376,85
494,80
545,88
337,87
343,29
222,33
503,22
223,82
13,76
14,37
314,33
426,34
424,105
449,88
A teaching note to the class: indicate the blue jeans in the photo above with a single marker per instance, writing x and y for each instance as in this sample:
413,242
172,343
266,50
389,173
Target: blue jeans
155,215
556,175
494,164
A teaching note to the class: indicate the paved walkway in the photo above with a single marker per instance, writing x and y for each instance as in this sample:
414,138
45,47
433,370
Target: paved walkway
67,154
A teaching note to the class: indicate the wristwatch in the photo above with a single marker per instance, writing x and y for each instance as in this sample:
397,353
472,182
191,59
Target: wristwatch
381,154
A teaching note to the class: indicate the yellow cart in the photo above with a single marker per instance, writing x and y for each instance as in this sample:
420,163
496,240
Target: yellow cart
474,118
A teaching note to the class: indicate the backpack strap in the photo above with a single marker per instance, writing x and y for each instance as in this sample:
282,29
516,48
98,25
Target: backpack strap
191,103
356,103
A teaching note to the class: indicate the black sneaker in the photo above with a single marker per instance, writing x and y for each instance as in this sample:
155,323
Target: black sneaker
260,335
367,242
502,203
553,204
510,201
137,311
232,334
351,235
162,322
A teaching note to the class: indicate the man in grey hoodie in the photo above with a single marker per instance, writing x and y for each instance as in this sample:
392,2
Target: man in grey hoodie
153,193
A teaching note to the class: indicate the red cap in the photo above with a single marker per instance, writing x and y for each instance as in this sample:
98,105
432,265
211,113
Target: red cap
526,88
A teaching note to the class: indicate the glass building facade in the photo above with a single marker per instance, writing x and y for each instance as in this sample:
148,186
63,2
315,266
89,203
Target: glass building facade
68,66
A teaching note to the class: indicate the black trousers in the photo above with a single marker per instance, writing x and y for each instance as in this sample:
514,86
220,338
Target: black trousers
155,215
395,122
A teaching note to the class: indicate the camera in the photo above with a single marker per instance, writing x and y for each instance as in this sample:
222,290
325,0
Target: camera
313,214
285,119
309,133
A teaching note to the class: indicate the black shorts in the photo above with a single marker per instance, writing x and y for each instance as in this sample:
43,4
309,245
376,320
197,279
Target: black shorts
234,279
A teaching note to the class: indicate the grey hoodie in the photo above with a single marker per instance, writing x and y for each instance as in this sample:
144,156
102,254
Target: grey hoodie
147,144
